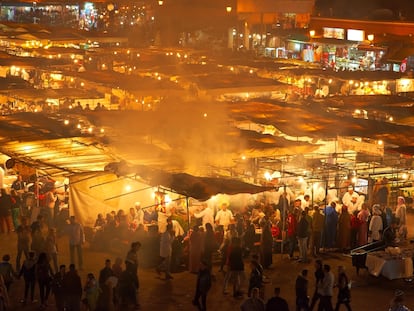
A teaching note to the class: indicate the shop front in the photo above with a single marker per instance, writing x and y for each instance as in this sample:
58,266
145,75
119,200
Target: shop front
38,13
333,53
342,49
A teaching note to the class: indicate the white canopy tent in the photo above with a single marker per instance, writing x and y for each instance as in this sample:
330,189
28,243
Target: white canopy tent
102,192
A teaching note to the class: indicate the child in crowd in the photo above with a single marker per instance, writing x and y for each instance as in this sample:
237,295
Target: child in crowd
91,292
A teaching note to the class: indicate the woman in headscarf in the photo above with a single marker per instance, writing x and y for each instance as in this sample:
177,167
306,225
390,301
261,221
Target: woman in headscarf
363,217
266,245
331,221
344,229
376,225
401,215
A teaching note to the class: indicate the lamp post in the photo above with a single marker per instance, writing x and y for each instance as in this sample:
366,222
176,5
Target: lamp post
111,11
370,38
159,23
231,32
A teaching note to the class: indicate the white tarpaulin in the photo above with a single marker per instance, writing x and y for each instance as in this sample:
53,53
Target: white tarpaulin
345,144
103,192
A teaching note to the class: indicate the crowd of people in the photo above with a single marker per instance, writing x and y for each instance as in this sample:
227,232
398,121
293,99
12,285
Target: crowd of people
336,227
30,198
114,289
38,243
253,235
324,284
262,227
229,240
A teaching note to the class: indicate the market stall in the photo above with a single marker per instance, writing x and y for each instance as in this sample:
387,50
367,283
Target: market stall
392,263
123,185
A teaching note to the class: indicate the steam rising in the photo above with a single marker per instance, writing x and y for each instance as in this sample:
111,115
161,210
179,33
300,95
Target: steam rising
179,136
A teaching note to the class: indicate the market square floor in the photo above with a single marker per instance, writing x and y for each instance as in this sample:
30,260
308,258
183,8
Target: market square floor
368,292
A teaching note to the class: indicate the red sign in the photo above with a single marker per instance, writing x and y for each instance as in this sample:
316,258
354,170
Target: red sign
403,67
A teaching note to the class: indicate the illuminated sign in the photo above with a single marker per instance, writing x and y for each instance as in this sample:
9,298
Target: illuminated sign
336,33
361,186
403,67
355,35
404,85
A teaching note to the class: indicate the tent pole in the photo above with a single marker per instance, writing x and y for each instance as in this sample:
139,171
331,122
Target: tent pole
188,213
283,220
108,182
312,191
37,188
127,193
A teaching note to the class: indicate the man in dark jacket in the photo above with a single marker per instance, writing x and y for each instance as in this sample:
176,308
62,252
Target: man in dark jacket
29,276
276,302
318,279
301,286
236,267
389,235
128,289
6,224
105,273
203,286
72,288
57,288
256,277
302,234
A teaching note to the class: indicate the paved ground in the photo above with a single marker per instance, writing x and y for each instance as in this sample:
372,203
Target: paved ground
368,292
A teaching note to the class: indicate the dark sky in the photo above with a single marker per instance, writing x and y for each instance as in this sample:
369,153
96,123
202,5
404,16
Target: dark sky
368,9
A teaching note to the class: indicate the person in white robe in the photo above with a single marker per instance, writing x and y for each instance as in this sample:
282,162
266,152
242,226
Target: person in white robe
206,214
375,225
164,212
139,214
350,200
224,217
